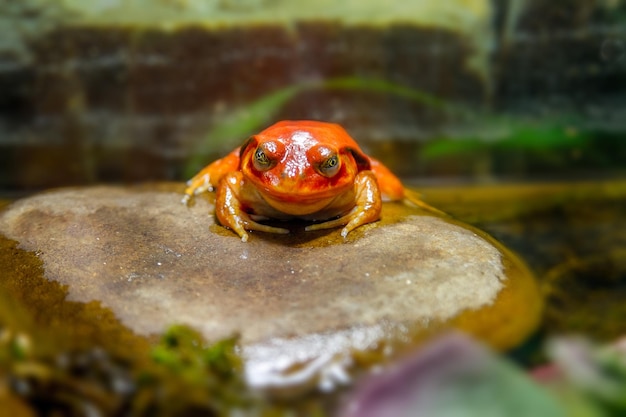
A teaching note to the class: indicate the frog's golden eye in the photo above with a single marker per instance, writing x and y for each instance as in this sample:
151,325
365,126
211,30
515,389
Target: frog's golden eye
261,161
267,154
329,167
325,160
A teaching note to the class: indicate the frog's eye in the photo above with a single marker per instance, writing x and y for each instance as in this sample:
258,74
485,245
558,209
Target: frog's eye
261,161
325,160
330,166
267,154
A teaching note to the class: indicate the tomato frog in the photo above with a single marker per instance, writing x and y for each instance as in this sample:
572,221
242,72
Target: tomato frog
297,169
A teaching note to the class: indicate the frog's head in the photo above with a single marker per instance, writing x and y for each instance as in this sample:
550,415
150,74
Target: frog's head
302,162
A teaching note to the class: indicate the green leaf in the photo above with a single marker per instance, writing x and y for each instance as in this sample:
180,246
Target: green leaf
547,139
250,118
241,123
385,87
447,147
543,137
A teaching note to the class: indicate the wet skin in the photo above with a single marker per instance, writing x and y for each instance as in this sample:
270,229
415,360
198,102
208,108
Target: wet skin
297,169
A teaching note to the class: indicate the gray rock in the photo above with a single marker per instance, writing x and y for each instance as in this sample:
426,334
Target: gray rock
303,303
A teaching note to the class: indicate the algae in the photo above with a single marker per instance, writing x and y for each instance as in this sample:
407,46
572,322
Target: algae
58,356
39,307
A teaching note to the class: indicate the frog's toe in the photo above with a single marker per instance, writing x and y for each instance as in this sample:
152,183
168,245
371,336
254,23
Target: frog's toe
252,225
186,199
240,229
327,225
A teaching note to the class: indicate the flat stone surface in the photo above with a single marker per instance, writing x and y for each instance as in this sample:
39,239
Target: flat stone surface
308,298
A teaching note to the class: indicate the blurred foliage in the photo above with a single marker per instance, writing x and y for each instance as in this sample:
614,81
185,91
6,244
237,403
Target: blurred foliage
249,119
239,124
185,377
543,144
518,135
589,380
208,376
454,375
184,352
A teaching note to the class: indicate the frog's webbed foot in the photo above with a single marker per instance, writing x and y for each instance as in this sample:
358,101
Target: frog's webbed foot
229,210
368,205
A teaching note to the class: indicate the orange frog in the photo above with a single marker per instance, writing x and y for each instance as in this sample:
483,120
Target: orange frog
297,169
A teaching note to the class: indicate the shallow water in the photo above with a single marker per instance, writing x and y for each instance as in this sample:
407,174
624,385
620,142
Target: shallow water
573,236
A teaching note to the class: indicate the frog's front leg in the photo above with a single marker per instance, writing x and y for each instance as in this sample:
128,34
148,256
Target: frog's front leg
367,208
230,210
208,178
